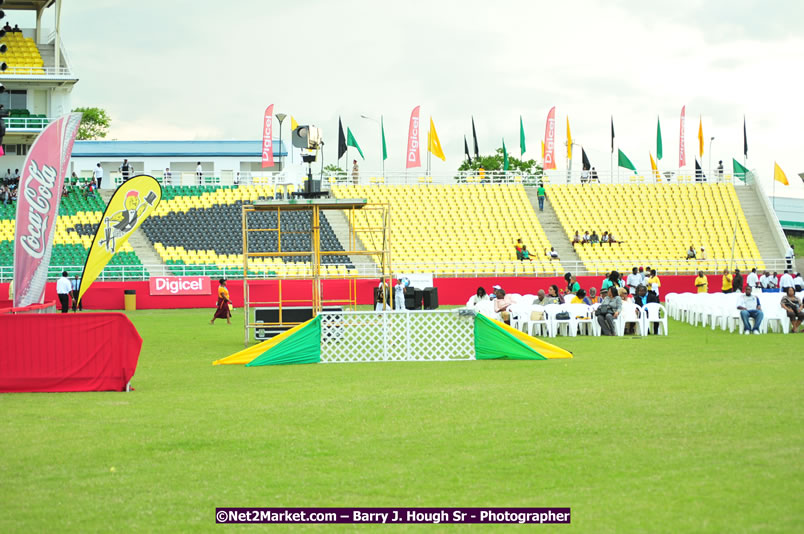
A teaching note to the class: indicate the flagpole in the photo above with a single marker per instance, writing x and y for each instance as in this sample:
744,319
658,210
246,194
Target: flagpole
382,147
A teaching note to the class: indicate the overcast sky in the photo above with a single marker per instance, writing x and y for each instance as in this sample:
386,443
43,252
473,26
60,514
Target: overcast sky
207,70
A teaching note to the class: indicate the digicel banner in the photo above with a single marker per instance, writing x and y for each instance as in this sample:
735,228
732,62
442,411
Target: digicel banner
180,285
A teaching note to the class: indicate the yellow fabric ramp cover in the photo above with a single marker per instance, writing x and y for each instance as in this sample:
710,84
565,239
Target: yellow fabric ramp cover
548,350
246,355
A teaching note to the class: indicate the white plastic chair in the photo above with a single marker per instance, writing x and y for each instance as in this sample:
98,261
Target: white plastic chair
655,313
555,324
631,313
543,325
583,316
486,308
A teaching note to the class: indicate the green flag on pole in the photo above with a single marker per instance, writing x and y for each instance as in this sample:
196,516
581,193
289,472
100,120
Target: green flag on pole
521,137
624,162
505,157
739,170
384,148
658,139
352,142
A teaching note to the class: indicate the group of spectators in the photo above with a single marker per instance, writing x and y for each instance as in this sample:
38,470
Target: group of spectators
734,282
641,287
522,252
8,29
593,239
10,186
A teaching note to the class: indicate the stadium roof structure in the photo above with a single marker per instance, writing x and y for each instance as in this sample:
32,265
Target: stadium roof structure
128,149
34,5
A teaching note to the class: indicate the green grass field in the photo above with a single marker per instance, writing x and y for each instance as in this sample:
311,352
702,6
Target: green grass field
697,432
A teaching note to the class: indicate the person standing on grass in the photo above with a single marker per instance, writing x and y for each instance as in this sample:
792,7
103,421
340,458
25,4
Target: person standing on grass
726,286
76,285
737,281
701,283
98,174
223,309
63,289
541,194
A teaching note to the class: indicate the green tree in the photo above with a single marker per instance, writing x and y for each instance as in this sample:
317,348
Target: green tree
334,170
516,166
94,123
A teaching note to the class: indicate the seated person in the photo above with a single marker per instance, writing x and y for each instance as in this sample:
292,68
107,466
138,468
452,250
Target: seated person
7,27
611,239
525,254
641,296
16,28
518,248
593,298
605,238
691,253
580,298
608,311
576,239
624,295
594,238
501,305
798,283
552,296
792,305
552,254
586,237
540,298
477,298
750,309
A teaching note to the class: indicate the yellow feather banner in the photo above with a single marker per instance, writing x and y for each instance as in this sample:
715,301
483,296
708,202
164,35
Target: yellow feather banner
131,204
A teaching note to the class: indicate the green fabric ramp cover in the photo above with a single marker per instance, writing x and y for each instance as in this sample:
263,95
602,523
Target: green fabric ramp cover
494,343
302,347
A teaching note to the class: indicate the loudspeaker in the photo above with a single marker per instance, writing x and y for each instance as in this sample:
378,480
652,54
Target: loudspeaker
312,186
410,299
430,298
418,295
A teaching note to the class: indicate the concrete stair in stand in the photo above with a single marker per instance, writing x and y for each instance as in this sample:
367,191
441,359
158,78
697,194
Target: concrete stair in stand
555,233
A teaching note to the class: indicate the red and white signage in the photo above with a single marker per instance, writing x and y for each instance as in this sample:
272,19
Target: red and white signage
413,157
550,140
267,137
180,285
38,207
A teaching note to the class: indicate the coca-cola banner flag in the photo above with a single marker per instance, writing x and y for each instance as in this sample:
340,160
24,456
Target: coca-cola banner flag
40,188
267,137
130,204
413,157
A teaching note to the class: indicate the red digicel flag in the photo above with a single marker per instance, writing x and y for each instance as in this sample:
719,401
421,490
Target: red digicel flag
550,140
267,137
682,153
38,207
413,158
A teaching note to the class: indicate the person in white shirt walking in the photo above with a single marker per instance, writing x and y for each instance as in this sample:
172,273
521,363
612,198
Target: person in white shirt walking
790,256
98,174
750,309
199,173
63,289
752,280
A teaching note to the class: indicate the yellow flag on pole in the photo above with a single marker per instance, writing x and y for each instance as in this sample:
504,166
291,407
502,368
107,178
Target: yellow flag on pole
569,140
433,144
653,166
293,123
130,204
700,136
778,174
542,150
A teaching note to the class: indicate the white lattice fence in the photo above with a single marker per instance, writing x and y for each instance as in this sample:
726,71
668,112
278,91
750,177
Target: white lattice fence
396,336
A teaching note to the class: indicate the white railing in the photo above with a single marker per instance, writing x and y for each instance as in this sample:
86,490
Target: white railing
63,72
420,177
27,123
440,269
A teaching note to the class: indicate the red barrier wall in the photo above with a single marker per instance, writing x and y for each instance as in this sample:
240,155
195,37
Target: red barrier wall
67,352
451,291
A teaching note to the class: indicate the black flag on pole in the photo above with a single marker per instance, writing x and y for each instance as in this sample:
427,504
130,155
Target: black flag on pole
745,139
585,160
699,174
466,149
341,141
474,136
612,134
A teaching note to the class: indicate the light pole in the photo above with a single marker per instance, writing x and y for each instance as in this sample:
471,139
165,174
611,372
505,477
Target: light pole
280,117
379,123
710,155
